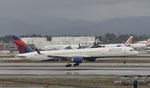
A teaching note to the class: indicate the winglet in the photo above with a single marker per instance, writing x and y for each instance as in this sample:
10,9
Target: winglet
38,51
79,46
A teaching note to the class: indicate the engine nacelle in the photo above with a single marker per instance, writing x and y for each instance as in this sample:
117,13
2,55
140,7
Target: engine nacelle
77,60
90,59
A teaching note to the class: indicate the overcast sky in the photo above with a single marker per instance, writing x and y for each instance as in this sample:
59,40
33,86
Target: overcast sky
35,12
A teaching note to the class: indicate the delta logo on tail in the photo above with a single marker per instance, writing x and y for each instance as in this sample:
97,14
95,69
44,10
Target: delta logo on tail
128,42
22,47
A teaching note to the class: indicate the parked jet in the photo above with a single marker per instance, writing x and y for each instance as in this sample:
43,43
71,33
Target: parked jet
139,47
75,55
95,44
60,47
127,43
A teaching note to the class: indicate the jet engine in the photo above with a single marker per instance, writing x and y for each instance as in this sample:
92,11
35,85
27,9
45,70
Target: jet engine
77,60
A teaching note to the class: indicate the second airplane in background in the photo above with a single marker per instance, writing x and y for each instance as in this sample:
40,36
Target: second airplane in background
137,47
126,44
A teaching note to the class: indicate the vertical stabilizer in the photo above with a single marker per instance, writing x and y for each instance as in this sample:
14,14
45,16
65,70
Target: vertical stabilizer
147,42
129,41
22,47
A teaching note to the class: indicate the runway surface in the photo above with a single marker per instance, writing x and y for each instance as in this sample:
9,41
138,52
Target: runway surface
81,65
59,69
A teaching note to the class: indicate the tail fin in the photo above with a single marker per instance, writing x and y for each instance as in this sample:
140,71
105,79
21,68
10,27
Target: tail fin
97,41
22,47
79,46
128,42
147,42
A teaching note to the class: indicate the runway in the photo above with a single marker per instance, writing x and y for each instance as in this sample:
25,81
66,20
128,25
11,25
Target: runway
81,65
85,69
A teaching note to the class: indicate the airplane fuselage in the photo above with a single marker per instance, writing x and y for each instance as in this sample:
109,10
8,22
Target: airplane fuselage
89,52
135,46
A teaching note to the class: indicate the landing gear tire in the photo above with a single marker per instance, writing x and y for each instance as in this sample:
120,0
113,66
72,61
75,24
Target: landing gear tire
124,62
69,65
77,64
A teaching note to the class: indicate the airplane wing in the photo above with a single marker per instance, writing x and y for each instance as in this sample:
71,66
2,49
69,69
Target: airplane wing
51,56
76,59
64,57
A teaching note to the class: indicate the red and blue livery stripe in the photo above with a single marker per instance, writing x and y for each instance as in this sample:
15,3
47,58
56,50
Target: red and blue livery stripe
22,47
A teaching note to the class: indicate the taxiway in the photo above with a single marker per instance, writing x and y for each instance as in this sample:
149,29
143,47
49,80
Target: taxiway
59,69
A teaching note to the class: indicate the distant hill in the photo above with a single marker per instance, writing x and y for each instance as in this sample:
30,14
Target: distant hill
10,26
58,26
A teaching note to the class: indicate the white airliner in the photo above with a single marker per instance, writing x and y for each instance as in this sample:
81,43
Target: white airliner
135,46
59,47
140,46
127,43
75,55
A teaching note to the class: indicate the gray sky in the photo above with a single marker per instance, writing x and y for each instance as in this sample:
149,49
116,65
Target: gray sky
43,13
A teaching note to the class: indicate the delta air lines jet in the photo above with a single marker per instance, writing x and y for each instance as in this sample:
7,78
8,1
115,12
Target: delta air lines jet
75,55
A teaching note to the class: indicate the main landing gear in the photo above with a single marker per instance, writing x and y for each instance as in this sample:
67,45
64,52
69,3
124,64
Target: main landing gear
70,65
76,64
124,60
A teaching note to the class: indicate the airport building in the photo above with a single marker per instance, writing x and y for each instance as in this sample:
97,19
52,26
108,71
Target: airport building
84,40
41,42
38,42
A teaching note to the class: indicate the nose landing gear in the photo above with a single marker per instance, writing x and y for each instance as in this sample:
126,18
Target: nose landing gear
76,64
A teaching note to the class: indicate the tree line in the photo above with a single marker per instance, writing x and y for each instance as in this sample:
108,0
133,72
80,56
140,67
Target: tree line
105,38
